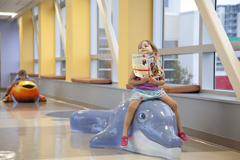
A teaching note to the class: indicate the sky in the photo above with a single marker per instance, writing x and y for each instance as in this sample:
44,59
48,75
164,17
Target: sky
189,5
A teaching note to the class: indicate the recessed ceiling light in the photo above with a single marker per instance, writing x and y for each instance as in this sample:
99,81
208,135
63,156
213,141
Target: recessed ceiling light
8,14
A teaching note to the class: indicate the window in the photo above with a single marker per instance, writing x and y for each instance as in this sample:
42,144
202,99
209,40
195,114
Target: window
221,79
35,22
181,69
181,29
36,64
102,65
181,24
228,13
105,66
103,46
166,3
60,65
181,48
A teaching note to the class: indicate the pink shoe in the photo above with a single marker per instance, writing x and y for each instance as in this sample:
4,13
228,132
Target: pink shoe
124,141
182,136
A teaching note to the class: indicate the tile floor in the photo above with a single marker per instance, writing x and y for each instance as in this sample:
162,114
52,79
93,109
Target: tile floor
30,131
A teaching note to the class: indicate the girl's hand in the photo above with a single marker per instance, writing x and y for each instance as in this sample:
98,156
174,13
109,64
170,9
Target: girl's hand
152,81
145,78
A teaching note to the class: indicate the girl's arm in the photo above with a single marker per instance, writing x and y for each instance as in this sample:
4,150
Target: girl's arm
159,83
132,81
13,83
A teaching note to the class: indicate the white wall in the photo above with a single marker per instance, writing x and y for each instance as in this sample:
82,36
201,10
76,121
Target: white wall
10,51
171,27
189,36
173,6
188,29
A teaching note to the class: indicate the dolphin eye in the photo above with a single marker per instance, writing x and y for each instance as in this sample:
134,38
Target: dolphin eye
142,116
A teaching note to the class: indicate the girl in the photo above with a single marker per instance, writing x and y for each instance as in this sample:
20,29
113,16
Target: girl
147,88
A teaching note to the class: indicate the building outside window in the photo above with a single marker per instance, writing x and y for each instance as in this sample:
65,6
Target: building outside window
181,29
229,15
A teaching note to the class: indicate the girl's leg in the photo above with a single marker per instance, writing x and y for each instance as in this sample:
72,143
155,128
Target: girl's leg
173,106
129,115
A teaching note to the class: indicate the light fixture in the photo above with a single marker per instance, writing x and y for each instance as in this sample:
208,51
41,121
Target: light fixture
8,14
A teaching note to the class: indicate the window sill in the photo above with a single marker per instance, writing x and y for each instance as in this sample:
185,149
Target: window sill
207,97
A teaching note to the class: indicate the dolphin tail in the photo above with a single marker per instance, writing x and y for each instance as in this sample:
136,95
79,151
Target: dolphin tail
90,121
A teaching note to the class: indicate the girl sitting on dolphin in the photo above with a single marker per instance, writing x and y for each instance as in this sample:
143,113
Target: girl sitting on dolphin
146,88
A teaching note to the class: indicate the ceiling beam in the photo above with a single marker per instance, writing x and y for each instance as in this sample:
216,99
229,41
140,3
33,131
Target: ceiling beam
25,9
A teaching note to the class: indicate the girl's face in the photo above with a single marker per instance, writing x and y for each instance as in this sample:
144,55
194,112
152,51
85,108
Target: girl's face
145,48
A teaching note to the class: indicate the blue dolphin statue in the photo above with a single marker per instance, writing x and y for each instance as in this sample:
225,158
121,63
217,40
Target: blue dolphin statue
152,132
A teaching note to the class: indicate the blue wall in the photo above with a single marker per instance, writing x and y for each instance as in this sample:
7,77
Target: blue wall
10,51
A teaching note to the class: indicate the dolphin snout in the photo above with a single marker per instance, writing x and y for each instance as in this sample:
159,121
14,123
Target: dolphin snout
158,128
162,136
174,141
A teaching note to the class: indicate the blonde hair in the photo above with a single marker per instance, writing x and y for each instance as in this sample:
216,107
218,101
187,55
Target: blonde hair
154,47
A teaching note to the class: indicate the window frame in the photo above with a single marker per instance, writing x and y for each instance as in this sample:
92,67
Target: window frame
201,49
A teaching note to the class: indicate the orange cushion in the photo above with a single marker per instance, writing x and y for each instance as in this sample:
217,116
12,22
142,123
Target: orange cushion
175,88
33,75
92,80
30,75
53,77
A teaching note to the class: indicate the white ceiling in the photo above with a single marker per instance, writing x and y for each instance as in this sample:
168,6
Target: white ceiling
16,6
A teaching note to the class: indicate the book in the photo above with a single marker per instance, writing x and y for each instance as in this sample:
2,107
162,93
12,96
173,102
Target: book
147,64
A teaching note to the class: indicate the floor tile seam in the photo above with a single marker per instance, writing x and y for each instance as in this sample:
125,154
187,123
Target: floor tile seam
212,144
63,102
34,126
